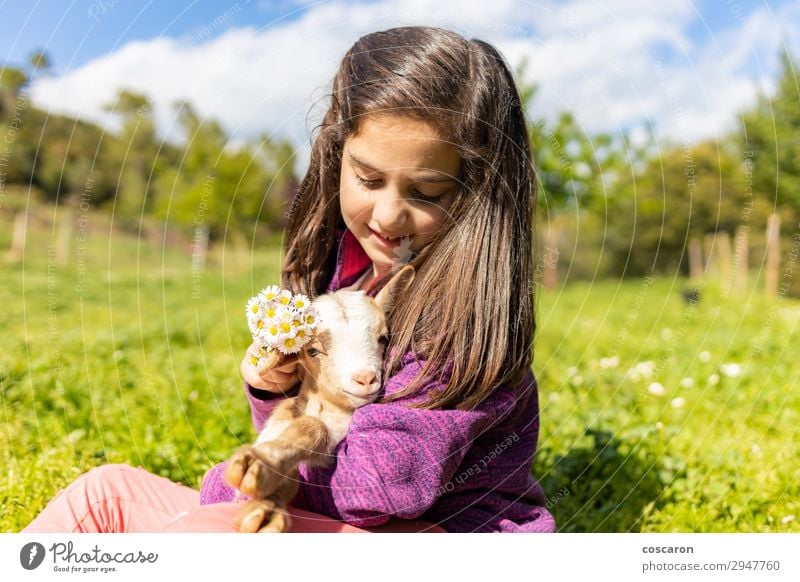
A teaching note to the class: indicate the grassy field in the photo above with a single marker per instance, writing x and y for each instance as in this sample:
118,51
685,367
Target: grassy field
657,414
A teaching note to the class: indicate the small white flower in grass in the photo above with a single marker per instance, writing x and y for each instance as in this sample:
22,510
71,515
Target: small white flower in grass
656,388
646,368
193,395
666,334
787,519
731,370
713,379
577,380
687,383
607,363
756,450
572,370
678,402
704,356
641,370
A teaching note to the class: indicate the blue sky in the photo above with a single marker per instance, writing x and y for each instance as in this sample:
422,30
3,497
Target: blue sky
75,32
686,67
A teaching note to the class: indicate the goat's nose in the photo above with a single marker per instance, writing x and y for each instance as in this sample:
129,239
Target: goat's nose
364,377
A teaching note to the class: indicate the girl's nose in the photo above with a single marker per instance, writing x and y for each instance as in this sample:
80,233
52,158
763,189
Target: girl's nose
390,212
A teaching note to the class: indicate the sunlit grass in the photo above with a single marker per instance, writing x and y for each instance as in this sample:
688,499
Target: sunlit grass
657,414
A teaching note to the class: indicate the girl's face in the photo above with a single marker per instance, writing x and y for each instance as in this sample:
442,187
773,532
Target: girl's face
398,179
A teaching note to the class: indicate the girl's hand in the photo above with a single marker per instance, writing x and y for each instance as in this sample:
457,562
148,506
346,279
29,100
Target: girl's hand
278,380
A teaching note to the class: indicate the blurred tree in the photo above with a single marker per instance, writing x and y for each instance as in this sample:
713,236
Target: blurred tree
216,190
771,137
39,61
578,175
12,81
685,192
134,155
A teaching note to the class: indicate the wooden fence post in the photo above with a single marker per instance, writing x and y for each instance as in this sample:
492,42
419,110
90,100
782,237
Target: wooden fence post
695,259
64,235
773,256
724,252
741,261
17,249
710,255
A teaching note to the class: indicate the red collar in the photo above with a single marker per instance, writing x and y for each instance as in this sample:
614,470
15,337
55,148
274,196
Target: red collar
355,258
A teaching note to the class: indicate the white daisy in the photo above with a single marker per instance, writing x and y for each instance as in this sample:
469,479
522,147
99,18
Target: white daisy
678,402
254,308
300,302
284,297
704,356
687,383
731,370
656,388
268,294
288,344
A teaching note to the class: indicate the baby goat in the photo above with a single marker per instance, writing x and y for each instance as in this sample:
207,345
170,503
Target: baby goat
342,368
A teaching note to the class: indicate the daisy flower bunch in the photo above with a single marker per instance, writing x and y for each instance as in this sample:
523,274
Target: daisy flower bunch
280,320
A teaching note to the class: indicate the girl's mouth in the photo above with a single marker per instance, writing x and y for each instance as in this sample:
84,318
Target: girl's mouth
386,242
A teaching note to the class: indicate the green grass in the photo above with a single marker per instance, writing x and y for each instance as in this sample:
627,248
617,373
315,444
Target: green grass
141,366
718,456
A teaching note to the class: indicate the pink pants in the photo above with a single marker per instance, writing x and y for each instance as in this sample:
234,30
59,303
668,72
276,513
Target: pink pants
121,498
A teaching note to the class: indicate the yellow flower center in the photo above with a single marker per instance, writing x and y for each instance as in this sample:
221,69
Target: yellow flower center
254,308
289,343
285,327
270,312
260,324
273,330
309,319
300,303
284,300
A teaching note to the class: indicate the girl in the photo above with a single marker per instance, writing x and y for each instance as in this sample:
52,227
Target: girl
422,158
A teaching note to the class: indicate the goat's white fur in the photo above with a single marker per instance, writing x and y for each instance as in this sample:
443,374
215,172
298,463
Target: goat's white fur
308,427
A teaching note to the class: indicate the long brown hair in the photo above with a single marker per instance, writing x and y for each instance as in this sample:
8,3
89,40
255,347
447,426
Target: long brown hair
476,275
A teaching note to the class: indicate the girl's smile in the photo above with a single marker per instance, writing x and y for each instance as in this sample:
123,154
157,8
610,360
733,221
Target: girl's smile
398,179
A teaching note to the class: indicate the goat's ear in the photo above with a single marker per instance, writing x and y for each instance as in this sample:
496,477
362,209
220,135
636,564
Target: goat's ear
396,286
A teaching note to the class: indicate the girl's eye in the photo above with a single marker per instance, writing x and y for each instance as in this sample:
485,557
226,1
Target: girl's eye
313,352
367,183
418,196
384,341
425,197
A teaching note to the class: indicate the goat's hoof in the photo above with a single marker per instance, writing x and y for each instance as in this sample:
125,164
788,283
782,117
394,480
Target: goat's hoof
252,473
263,516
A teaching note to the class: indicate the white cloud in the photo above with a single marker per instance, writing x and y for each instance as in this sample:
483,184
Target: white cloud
613,65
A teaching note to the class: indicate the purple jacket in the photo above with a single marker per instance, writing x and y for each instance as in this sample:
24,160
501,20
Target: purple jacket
465,470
